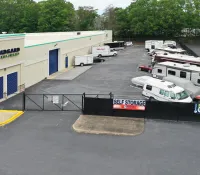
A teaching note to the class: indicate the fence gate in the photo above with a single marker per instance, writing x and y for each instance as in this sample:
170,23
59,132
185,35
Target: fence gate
53,102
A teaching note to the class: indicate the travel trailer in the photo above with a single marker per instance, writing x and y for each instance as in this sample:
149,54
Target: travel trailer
167,50
102,51
178,58
83,60
185,71
165,91
170,43
153,44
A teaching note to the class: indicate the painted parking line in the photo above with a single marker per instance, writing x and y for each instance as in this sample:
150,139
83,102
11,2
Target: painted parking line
8,116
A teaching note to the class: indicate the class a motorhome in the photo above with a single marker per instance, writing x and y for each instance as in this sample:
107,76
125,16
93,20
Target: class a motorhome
178,58
165,91
153,44
184,71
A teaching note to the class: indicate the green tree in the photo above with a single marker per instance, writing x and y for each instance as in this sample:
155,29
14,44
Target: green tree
86,18
56,15
18,16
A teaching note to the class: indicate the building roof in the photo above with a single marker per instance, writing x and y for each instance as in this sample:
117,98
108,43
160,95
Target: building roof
36,39
181,66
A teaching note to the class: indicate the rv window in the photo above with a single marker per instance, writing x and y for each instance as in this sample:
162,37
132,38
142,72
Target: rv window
162,92
166,94
148,87
171,72
182,74
172,95
198,81
159,70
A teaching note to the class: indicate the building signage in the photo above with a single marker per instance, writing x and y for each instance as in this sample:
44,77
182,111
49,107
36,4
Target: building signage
134,105
197,108
9,52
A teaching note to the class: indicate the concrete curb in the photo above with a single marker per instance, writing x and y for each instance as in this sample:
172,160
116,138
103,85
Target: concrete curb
11,119
78,130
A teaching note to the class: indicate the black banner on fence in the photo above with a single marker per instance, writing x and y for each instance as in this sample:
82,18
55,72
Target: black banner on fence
153,109
98,106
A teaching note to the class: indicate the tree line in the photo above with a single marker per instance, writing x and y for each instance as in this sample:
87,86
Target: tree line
169,18
19,16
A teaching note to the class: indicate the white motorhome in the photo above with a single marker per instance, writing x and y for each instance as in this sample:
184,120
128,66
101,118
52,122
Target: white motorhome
153,44
83,60
185,71
140,81
103,51
165,91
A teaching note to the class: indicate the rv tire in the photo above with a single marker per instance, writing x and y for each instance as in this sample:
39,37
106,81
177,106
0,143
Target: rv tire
81,64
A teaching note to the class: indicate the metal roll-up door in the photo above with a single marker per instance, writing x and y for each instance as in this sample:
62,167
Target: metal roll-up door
12,83
1,87
53,61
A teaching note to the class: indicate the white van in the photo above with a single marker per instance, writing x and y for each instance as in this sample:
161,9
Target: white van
103,51
83,60
165,91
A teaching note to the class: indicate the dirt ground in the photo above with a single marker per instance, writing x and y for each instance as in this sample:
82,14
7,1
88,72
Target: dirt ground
109,125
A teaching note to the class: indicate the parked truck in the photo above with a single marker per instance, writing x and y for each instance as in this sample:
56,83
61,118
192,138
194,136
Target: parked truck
102,51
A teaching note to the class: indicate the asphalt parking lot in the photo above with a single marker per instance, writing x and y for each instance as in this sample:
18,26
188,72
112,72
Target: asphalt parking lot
114,75
44,142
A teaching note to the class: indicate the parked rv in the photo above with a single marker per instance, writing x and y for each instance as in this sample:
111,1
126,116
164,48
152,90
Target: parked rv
153,44
178,58
167,50
140,81
117,45
185,71
102,51
83,60
170,43
165,91
189,87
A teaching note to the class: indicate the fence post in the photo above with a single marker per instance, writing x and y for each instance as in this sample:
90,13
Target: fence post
24,101
83,97
111,95
63,102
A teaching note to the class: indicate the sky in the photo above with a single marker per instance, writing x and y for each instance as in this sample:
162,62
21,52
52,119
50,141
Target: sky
100,4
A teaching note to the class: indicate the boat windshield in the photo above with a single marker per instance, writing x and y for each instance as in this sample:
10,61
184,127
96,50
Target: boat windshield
181,95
